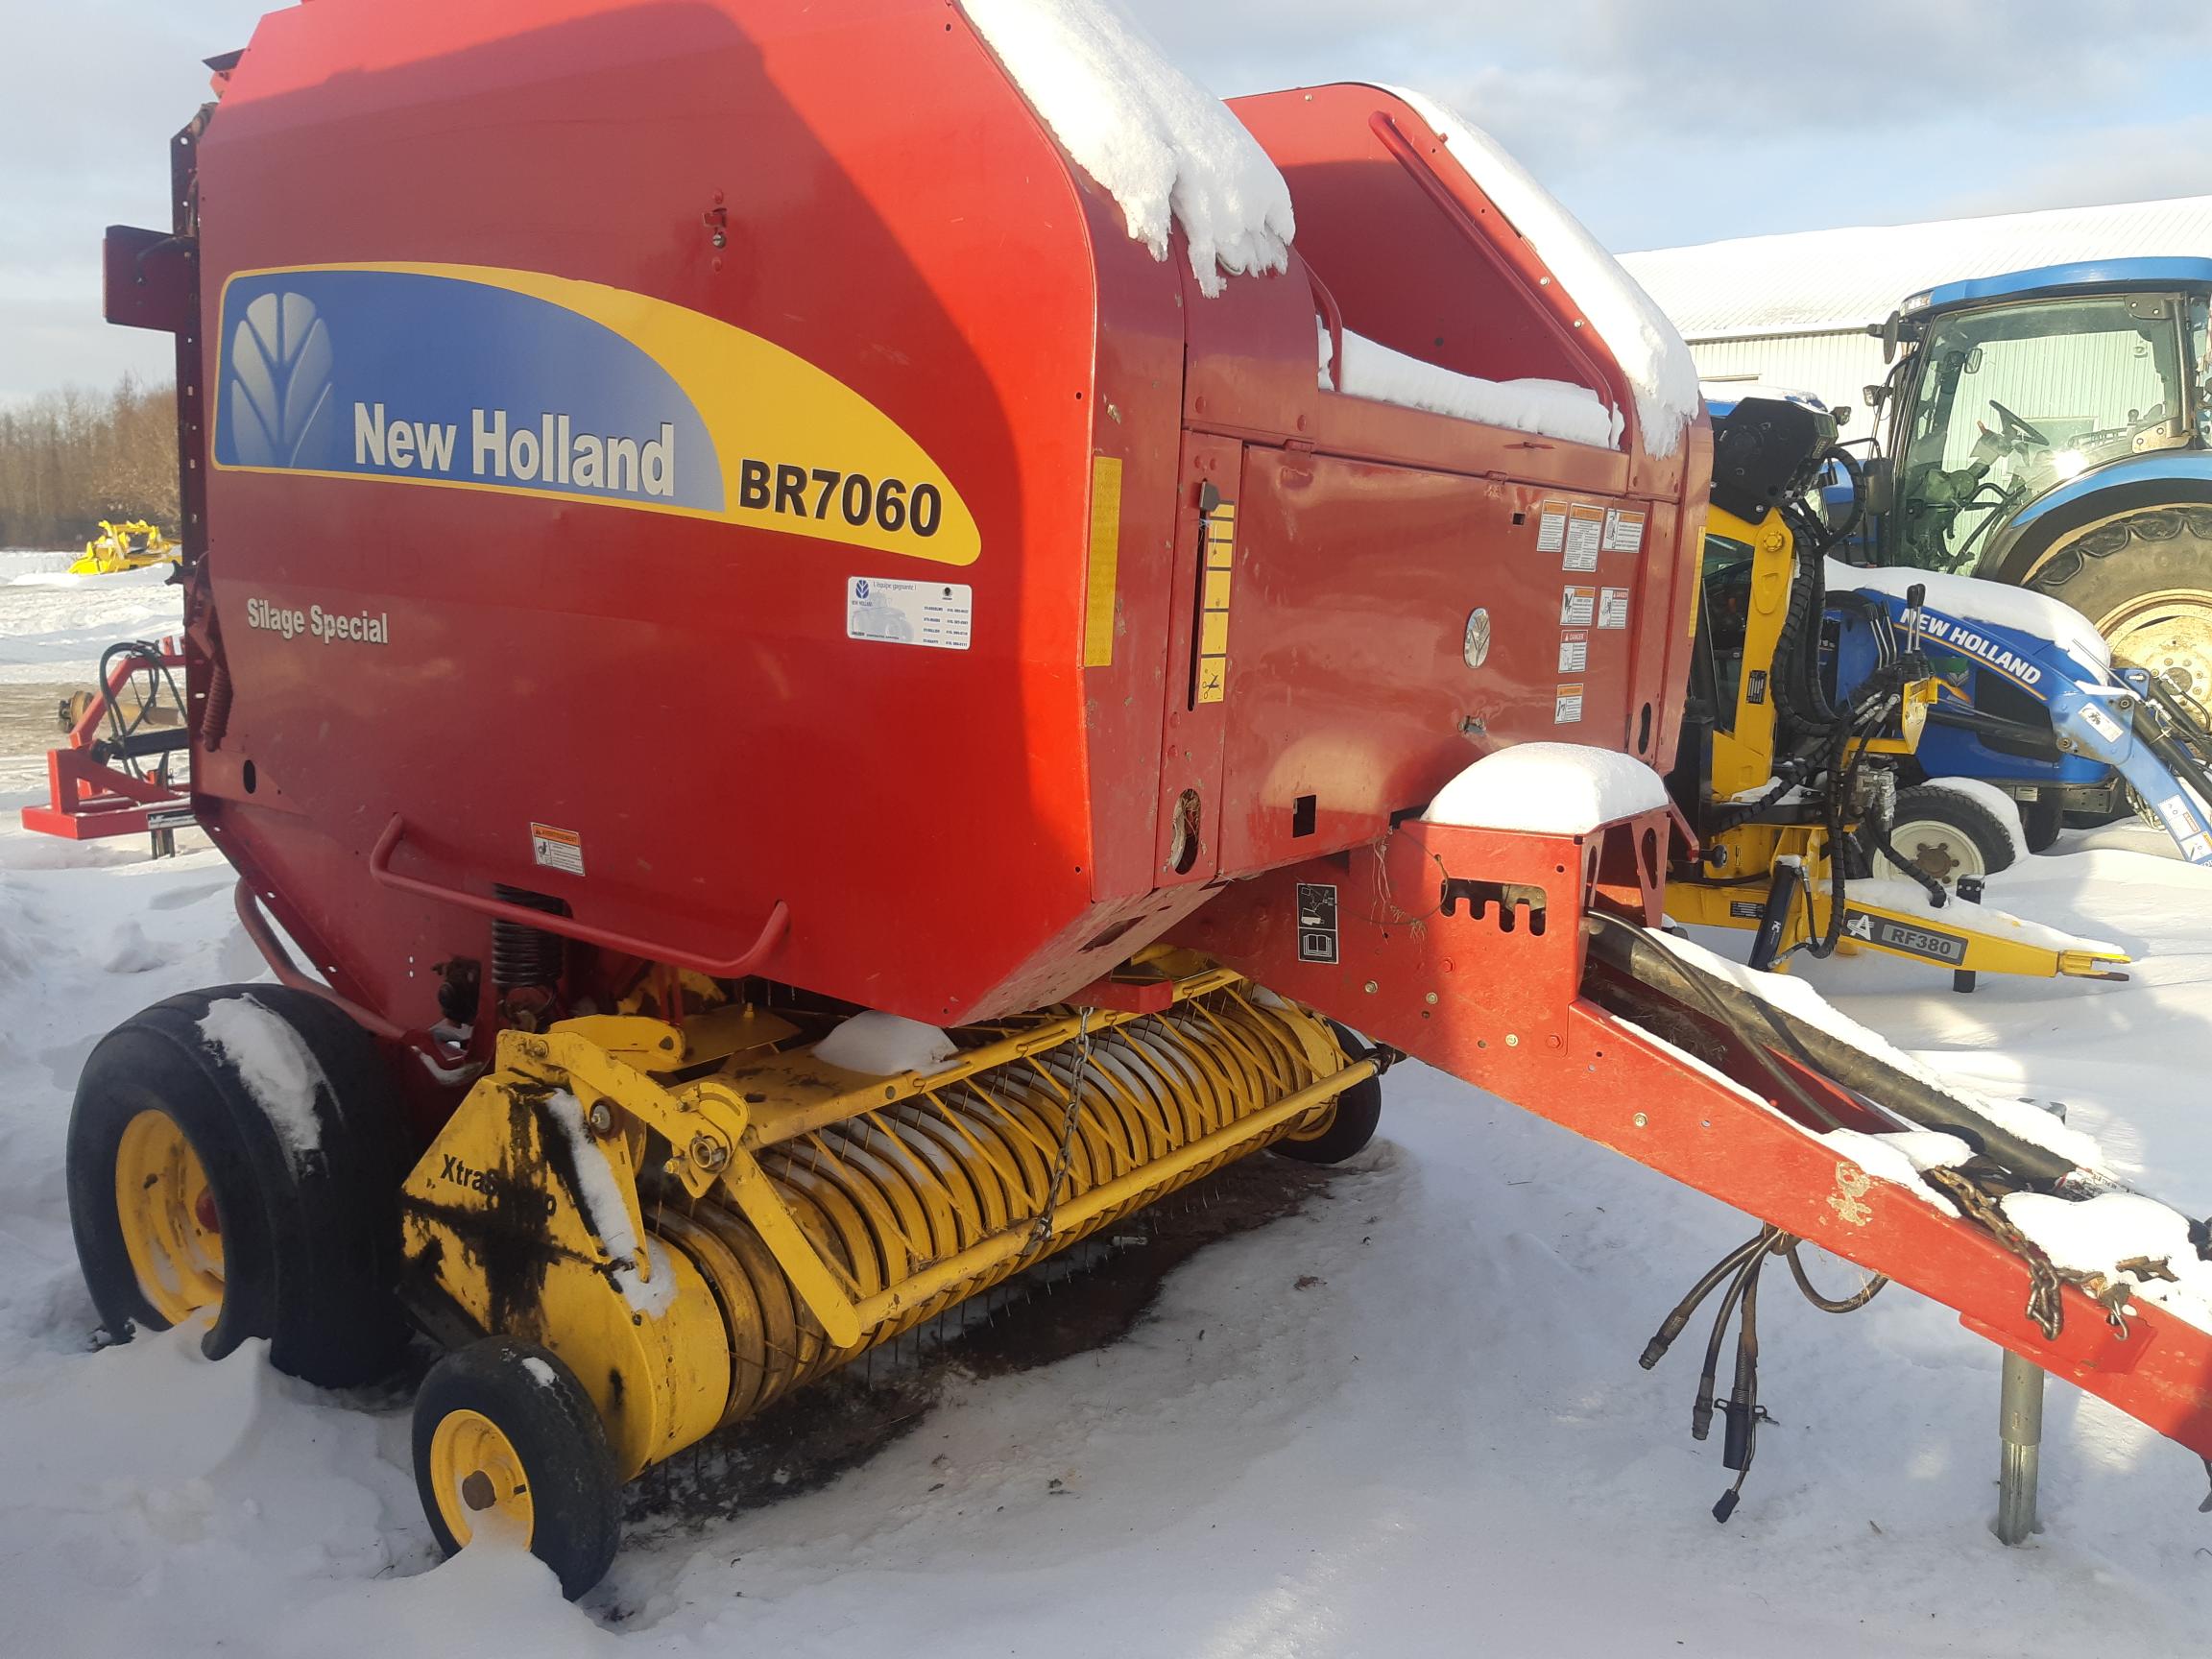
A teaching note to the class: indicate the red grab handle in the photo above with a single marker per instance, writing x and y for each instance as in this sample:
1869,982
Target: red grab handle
771,934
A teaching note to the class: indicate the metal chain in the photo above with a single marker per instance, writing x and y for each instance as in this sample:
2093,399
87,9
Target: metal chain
2044,1306
1041,1231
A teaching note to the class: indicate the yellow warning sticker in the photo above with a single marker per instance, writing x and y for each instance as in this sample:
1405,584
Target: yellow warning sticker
1098,601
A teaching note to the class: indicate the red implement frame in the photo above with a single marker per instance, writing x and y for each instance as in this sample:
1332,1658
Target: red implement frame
1466,948
89,799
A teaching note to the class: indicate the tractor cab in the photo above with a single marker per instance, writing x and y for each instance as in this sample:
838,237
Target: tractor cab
2007,391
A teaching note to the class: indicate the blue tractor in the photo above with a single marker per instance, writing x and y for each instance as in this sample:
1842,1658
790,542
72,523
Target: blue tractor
2051,430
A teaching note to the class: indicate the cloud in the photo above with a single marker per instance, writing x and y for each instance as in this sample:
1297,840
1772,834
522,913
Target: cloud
1656,121
2132,163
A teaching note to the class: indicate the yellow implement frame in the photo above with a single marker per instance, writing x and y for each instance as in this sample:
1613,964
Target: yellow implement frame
806,1213
110,551
1736,875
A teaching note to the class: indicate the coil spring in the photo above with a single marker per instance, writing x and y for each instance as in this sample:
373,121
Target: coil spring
889,1192
523,955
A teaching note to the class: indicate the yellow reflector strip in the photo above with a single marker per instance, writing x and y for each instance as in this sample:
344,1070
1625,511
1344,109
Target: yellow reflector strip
1105,561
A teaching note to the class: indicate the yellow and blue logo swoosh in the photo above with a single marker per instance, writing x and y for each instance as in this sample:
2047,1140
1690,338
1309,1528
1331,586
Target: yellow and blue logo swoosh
475,377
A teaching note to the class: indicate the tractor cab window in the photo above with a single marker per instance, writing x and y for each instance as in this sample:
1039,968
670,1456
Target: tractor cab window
2014,401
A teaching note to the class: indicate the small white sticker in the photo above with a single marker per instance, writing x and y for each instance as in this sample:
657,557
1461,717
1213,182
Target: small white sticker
557,848
2175,812
1578,606
1585,535
2102,723
1613,608
1624,531
1573,652
1567,705
1551,527
2198,850
891,612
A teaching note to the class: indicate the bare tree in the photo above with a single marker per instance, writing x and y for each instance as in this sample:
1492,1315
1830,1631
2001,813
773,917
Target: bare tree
71,458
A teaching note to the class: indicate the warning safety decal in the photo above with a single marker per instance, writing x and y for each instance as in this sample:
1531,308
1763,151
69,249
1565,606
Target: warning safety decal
1578,606
1316,922
1567,705
1574,650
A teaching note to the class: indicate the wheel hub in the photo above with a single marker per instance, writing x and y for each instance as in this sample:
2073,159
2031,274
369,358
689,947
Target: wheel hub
479,1477
2169,634
171,1227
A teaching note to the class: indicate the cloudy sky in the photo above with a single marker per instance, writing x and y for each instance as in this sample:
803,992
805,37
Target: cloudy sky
1658,121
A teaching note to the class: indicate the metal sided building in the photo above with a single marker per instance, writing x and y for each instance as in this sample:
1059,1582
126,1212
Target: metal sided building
1794,310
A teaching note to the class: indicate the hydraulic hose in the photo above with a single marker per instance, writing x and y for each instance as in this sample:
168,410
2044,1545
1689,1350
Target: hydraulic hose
1630,952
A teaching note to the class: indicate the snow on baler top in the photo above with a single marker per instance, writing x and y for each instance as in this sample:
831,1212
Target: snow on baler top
875,529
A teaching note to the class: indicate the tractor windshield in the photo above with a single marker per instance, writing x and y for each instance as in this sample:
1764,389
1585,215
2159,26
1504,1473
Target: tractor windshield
2014,401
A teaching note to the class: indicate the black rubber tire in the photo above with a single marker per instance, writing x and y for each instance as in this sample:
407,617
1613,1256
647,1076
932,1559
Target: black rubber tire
2104,569
310,1241
1927,802
2041,819
1351,1122
575,1487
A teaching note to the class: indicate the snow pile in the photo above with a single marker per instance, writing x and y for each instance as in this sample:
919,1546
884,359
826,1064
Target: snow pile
606,1207
1909,898
2095,1234
277,1068
1648,347
1994,801
1992,604
1546,408
1444,1342
1549,789
54,626
1167,150
883,1045
1793,996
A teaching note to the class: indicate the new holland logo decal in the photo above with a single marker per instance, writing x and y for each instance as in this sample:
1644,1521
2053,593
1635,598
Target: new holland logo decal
472,377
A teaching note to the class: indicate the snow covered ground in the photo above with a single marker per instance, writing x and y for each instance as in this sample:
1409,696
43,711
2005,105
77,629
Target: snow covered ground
53,627
1440,1445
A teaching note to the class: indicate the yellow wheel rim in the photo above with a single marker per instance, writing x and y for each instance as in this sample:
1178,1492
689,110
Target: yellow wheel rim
477,1477
167,1210
1323,1119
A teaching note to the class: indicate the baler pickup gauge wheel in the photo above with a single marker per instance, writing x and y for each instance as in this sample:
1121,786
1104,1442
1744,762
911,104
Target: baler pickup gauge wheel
1343,1128
256,1195
506,1440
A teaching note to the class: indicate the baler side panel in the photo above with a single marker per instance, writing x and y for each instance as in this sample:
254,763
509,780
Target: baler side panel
1352,684
721,743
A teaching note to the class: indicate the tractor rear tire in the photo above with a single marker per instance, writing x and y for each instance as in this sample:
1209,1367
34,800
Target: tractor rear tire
1948,834
190,1197
1348,1123
2146,580
504,1432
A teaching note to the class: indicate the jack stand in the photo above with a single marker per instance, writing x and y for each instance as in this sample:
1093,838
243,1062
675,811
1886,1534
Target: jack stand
2020,1427
1970,890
